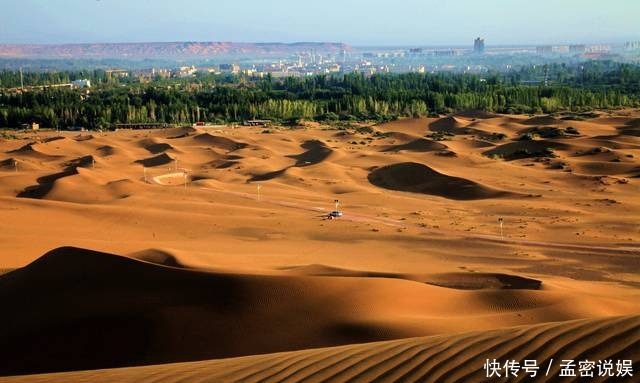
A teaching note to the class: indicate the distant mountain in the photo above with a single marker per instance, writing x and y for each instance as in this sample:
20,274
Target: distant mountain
162,50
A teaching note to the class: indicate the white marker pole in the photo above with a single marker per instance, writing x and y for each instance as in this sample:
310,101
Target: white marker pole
259,187
144,172
501,221
15,163
337,204
185,180
93,162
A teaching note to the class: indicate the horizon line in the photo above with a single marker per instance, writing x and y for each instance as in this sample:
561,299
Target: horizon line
367,45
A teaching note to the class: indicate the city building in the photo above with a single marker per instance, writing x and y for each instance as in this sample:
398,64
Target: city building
119,73
478,46
185,71
84,83
230,68
632,45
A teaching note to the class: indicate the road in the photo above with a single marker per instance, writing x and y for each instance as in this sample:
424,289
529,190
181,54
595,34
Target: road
621,250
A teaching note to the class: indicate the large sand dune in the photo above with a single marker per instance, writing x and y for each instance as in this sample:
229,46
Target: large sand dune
134,248
453,358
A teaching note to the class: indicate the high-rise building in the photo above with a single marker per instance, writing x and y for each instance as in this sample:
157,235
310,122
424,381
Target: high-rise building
478,46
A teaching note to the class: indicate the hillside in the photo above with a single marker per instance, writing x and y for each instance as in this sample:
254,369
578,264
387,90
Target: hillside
191,49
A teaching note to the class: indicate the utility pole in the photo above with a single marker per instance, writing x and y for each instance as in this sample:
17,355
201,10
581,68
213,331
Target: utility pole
21,80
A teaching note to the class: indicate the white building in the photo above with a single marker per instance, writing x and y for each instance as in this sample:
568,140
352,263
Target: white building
84,83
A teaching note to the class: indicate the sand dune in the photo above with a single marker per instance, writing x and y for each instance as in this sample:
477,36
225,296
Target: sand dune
419,178
316,152
152,311
459,280
541,120
219,142
13,164
159,160
417,145
452,358
106,150
223,266
155,146
525,149
449,123
45,184
157,256
33,150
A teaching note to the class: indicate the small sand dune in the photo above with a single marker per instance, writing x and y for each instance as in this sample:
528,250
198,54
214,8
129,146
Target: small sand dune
456,280
9,164
525,149
222,163
218,142
268,175
83,162
45,184
449,123
159,160
631,128
418,178
605,168
436,359
174,133
84,137
457,126
482,281
541,120
34,151
417,145
106,150
316,152
155,146
157,256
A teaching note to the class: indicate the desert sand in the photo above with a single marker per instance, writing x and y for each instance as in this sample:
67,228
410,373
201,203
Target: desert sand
141,252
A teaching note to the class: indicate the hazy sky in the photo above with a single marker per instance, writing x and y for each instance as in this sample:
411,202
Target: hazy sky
357,22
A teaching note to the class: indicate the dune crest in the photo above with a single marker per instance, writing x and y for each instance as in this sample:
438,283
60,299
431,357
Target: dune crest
448,358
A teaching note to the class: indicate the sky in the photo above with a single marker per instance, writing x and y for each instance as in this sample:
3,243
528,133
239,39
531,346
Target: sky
355,22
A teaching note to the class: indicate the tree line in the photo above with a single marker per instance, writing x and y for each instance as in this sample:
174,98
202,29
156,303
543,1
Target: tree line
349,97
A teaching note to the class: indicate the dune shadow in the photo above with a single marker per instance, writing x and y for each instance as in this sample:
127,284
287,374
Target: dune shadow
316,152
45,184
418,178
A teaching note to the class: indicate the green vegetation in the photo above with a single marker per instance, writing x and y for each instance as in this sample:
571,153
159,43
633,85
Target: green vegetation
330,99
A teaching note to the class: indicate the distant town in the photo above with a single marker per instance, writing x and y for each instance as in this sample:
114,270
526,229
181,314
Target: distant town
475,59
310,59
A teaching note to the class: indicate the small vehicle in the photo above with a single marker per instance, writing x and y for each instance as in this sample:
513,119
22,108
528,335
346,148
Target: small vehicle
334,214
